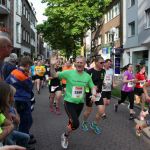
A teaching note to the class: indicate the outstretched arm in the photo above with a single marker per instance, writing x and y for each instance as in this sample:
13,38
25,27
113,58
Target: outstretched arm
145,90
12,147
53,61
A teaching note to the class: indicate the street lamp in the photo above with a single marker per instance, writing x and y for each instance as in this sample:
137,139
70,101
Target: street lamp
112,32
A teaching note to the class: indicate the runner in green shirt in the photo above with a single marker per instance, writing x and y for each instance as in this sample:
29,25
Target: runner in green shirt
77,81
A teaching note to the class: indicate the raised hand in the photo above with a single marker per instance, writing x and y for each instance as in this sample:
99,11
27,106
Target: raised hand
53,60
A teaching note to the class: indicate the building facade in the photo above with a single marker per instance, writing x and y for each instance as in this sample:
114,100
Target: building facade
6,17
107,36
17,42
136,33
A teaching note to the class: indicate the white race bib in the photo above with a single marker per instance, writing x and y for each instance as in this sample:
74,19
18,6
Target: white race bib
98,96
108,79
142,83
130,84
77,92
46,76
53,88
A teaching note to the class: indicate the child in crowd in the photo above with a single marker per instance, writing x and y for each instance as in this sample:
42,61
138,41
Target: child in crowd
15,137
6,126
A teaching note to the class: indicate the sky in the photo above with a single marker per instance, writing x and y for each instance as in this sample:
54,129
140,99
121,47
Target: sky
39,8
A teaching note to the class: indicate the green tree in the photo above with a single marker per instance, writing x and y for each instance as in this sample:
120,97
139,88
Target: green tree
68,20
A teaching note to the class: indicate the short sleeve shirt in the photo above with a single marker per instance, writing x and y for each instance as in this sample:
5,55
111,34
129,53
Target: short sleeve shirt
75,85
40,70
2,120
97,77
128,87
140,77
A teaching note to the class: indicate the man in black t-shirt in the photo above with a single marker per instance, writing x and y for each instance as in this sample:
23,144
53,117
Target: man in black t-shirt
97,73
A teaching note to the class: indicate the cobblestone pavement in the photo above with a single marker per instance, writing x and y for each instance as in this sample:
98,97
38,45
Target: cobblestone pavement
117,131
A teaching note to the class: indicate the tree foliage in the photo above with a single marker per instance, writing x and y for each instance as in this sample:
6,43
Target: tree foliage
68,20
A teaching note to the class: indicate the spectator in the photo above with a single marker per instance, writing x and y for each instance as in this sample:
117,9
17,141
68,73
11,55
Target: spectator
9,65
20,79
6,126
5,50
15,137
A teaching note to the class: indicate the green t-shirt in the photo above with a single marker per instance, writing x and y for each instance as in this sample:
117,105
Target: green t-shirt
2,120
76,84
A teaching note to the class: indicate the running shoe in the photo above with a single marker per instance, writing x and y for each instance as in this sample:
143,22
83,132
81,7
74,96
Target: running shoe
38,92
84,126
51,109
64,141
104,116
58,111
95,128
131,117
115,107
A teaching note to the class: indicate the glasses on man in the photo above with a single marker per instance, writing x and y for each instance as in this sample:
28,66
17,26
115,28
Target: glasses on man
101,62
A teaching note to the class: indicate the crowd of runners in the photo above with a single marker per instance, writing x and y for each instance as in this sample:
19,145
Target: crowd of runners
75,83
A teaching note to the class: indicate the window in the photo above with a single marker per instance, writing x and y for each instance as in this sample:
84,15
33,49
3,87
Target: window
131,29
24,10
24,35
26,13
99,40
116,35
2,2
116,10
132,2
28,16
147,18
17,32
17,6
108,38
28,38
112,13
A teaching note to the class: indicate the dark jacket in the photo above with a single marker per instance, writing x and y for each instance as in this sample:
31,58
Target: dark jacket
22,83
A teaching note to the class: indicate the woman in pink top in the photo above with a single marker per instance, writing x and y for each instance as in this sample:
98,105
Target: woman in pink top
127,90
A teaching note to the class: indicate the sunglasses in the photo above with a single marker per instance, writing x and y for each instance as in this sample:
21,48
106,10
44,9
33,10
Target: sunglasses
101,62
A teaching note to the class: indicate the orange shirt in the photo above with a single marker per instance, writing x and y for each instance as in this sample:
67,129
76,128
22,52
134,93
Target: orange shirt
63,81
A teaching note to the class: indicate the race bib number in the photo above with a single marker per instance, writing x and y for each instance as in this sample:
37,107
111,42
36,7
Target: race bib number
98,96
108,79
130,84
77,92
47,77
142,83
53,88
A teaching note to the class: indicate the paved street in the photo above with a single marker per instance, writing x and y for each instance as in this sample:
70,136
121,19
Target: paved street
118,132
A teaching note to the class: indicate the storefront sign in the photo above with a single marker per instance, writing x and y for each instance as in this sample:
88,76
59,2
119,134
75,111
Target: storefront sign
117,65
